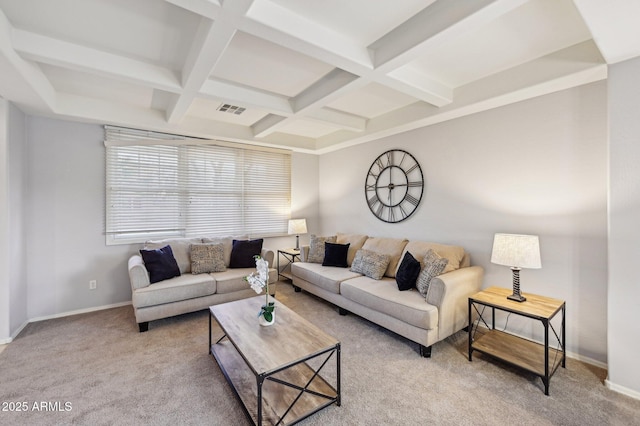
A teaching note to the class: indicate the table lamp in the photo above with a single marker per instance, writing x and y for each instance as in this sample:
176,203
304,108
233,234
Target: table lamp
297,227
516,251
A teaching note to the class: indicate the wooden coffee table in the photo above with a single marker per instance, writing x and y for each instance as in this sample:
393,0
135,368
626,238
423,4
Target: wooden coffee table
270,368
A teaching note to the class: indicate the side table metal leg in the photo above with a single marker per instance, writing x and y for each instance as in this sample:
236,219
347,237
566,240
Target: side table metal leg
470,332
338,400
546,357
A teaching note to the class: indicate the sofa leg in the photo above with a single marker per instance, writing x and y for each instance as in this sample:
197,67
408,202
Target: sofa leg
425,351
297,289
342,312
143,326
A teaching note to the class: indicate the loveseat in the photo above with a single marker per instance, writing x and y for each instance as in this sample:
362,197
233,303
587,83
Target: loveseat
428,309
204,272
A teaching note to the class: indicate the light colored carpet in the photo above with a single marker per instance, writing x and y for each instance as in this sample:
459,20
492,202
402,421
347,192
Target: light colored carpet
111,374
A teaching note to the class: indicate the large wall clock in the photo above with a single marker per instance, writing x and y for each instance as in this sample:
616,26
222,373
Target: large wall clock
394,186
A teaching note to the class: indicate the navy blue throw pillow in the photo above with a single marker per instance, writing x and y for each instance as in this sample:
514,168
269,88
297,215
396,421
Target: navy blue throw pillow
243,253
335,255
407,272
160,263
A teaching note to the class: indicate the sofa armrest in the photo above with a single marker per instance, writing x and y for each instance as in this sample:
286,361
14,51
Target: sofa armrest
268,255
138,274
450,293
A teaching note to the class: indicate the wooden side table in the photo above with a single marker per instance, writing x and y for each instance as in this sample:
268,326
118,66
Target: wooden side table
290,255
534,357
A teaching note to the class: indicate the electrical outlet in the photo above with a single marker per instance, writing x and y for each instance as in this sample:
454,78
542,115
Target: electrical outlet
93,284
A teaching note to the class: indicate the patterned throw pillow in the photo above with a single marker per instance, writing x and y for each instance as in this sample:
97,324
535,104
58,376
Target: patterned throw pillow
316,248
433,266
370,263
207,258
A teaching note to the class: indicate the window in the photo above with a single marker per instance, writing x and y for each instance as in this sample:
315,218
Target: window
160,186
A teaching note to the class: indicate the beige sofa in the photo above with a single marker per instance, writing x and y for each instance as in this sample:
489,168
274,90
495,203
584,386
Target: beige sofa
189,292
424,320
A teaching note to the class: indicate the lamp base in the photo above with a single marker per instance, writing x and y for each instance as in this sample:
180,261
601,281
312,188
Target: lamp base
517,297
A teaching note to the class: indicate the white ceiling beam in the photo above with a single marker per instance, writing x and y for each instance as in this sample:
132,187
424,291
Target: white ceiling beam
246,97
571,67
331,116
22,82
414,83
85,59
614,27
270,21
207,8
441,21
330,87
211,40
266,125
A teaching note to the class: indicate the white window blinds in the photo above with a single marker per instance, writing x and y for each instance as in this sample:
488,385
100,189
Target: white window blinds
160,186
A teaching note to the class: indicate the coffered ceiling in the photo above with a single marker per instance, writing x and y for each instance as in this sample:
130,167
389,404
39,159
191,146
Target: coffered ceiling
308,75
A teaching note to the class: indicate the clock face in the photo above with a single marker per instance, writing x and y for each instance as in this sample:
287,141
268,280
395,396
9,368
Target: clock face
394,186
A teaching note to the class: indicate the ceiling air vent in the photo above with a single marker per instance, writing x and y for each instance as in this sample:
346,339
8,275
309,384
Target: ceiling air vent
231,109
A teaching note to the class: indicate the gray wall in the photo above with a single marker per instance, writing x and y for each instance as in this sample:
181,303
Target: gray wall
65,224
538,167
13,292
624,232
18,169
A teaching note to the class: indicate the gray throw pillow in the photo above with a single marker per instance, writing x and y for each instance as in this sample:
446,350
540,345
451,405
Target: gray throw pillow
316,248
433,266
370,263
207,258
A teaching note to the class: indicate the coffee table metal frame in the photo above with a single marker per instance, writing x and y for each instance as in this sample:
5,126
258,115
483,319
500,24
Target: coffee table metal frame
262,377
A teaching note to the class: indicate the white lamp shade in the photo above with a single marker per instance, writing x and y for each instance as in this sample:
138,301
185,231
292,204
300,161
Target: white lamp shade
518,251
297,226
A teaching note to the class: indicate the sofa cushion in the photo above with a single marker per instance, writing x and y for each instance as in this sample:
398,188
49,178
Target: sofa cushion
355,241
389,246
454,254
184,287
434,265
383,296
335,255
207,258
408,272
325,277
243,253
160,264
227,245
233,279
370,263
316,247
181,248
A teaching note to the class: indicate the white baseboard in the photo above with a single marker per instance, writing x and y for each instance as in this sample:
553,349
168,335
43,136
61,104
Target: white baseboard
623,390
79,311
588,360
60,315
